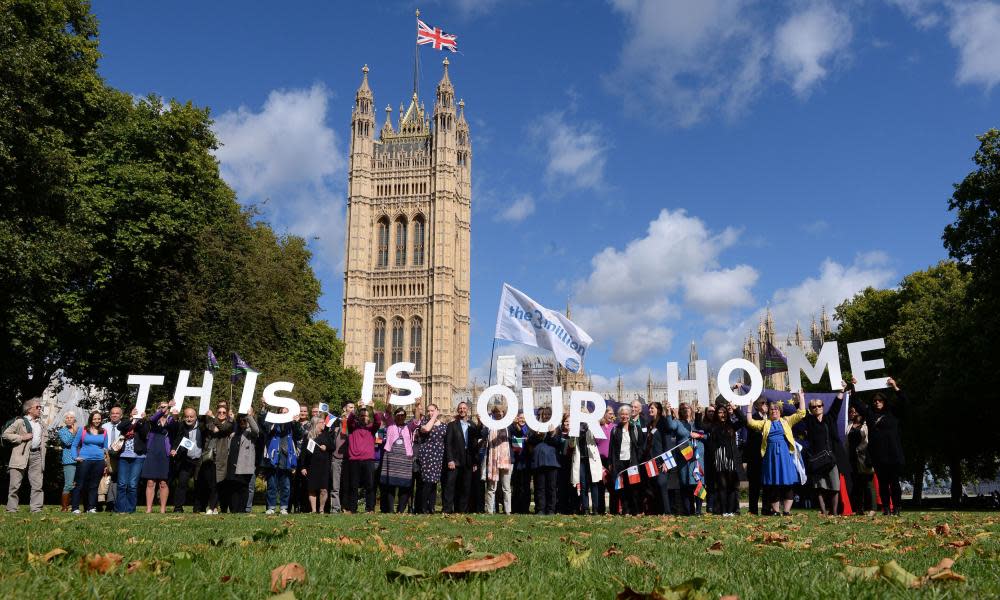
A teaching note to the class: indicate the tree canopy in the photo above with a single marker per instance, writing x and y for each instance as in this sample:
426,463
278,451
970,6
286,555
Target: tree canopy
121,248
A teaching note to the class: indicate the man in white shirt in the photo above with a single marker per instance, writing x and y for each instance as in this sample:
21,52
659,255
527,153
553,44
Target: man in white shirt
27,435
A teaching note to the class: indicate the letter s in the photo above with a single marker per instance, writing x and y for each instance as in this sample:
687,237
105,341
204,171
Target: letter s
271,399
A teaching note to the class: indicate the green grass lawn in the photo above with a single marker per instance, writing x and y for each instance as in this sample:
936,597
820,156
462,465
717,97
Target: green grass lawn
557,557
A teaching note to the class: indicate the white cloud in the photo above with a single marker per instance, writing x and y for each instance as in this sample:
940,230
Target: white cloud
923,13
518,210
288,160
575,153
834,283
807,40
975,32
689,58
631,293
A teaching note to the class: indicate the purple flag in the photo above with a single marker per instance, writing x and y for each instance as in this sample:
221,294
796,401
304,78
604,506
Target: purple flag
240,368
213,363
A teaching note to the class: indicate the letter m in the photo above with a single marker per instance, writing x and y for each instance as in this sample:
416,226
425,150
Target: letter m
798,364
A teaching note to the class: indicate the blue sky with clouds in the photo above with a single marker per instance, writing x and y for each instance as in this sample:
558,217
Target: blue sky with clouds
669,167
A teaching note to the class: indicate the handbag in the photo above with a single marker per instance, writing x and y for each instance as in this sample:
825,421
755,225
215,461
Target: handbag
819,463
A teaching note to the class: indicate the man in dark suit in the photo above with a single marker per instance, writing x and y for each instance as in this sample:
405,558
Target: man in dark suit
460,443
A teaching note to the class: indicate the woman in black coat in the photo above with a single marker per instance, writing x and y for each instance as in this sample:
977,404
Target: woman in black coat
723,449
825,457
885,448
656,444
624,500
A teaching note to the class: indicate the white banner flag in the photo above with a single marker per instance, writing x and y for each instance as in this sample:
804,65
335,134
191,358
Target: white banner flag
521,319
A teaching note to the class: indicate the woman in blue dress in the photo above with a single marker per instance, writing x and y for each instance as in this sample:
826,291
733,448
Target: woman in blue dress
778,472
156,467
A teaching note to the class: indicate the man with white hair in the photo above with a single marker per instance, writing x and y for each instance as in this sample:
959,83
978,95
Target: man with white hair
27,435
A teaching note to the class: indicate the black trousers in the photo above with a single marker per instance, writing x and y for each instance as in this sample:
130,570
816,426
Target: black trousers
237,491
661,493
183,472
390,493
520,482
753,486
360,474
546,484
426,497
727,493
888,487
456,489
206,490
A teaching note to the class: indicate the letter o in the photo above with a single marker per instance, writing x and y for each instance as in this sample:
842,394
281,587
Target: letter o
486,396
756,381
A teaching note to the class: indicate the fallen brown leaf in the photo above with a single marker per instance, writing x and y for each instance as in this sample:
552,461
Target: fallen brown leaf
943,529
632,559
283,575
480,565
100,563
397,550
611,551
47,557
715,548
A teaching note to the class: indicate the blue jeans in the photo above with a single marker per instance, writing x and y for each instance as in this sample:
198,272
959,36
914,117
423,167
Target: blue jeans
129,470
278,480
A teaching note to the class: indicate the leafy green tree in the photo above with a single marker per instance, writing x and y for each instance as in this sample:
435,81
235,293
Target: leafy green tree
121,248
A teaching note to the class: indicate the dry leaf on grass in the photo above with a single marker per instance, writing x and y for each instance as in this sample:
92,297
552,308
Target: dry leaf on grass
611,551
577,559
397,550
943,529
715,549
480,565
861,572
100,563
632,559
283,575
47,557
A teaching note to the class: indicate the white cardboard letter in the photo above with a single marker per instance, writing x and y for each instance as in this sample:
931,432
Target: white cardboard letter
798,364
484,415
592,419
249,388
368,384
272,399
529,410
403,383
756,381
859,366
699,383
144,382
202,392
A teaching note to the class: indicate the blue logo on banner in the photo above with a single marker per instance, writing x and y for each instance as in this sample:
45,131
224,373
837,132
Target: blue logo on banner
572,365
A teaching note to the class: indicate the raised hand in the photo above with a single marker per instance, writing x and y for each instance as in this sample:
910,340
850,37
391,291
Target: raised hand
892,383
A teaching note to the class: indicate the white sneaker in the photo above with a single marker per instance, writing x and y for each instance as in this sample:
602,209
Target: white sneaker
284,511
93,510
269,511
208,511
77,512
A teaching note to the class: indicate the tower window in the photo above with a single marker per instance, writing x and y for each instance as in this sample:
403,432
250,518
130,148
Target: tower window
416,338
418,241
397,340
378,354
401,242
382,258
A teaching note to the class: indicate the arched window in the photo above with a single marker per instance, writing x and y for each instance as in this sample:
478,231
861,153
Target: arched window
382,258
418,241
401,242
378,355
397,340
416,339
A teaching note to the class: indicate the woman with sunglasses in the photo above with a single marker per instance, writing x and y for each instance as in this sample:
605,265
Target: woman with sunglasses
825,458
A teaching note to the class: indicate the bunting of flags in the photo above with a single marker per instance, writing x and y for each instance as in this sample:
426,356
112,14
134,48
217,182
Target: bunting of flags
661,463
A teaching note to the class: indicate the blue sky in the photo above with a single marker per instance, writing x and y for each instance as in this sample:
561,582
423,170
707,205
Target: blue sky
669,167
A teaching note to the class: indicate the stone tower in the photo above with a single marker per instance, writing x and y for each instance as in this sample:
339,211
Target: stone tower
406,266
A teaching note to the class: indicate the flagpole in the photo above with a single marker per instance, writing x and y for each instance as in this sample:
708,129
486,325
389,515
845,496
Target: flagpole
416,57
492,352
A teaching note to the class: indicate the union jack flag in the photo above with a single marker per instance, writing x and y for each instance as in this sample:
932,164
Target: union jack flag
437,38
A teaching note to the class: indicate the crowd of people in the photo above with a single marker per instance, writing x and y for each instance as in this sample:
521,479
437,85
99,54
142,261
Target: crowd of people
650,459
